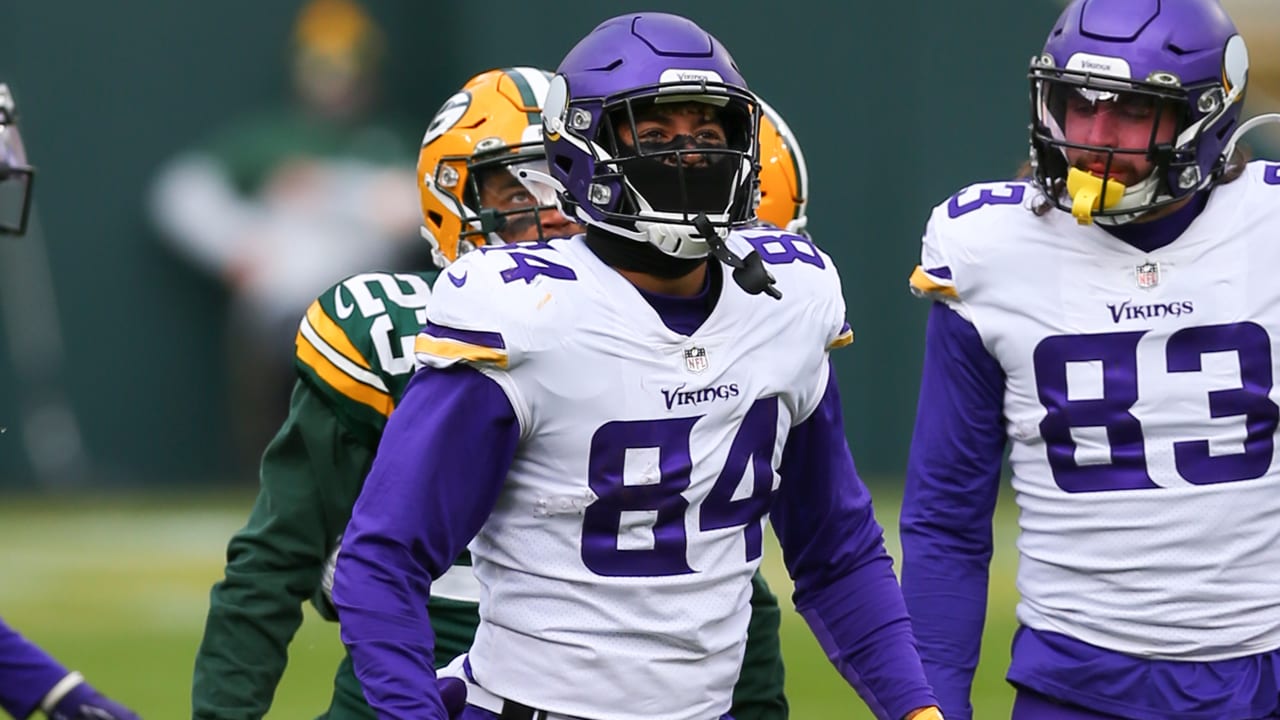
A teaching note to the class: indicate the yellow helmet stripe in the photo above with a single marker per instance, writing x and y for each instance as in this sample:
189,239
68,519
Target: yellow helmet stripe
335,377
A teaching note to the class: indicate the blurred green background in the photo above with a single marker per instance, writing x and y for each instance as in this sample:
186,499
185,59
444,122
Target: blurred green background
109,557
896,105
119,587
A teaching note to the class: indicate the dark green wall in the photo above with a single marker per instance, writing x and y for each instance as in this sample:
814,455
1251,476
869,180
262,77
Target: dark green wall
897,105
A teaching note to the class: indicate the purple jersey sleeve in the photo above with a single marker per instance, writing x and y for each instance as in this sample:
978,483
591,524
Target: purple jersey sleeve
27,673
844,582
435,479
953,478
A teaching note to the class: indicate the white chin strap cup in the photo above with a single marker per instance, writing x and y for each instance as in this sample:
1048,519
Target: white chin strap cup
680,241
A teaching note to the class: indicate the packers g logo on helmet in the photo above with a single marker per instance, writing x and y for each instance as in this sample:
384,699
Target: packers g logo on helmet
494,121
784,178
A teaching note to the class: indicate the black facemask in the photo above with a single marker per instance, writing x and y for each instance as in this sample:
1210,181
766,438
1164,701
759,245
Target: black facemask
679,187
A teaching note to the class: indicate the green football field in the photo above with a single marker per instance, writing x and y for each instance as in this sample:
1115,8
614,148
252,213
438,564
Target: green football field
118,588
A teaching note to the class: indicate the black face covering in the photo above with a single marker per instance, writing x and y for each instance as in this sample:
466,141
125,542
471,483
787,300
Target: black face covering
638,256
670,185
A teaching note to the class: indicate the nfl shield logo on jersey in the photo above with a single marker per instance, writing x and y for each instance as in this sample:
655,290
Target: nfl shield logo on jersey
695,359
1148,274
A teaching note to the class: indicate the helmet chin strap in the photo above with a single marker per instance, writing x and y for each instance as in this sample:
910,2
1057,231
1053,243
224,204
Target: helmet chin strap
1088,196
749,272
674,239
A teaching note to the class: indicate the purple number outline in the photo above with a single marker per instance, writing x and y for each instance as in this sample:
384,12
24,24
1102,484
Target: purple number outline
765,245
1183,352
986,196
529,266
753,445
1118,353
602,519
1251,400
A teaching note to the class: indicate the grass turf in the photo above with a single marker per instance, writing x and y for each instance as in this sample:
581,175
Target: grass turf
117,588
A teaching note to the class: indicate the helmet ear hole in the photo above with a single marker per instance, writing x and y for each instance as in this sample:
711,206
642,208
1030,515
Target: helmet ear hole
434,218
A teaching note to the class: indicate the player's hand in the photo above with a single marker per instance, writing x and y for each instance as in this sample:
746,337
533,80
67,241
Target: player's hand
453,693
83,702
929,713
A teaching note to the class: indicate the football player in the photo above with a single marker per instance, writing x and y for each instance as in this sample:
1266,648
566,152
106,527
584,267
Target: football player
784,176
608,420
354,357
16,174
1111,322
30,678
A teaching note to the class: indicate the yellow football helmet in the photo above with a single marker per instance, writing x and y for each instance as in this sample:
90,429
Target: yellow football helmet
784,178
493,122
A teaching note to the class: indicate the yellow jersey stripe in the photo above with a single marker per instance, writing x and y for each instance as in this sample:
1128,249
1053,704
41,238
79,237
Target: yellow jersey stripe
339,380
845,338
925,284
338,360
458,350
333,334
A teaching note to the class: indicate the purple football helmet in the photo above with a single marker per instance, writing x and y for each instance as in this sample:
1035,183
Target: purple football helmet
626,67
16,174
1183,57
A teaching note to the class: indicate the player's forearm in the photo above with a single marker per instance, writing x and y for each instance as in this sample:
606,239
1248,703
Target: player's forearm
862,624
952,484
391,642
27,673
274,563
244,651
834,549
254,613
948,609
431,487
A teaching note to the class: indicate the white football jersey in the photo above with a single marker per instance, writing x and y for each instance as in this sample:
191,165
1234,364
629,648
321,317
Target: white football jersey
615,570
1141,409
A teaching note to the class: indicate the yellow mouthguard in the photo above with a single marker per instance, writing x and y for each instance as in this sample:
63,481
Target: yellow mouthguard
1087,194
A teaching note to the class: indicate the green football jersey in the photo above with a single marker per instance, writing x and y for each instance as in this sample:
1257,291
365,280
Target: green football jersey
355,345
354,357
